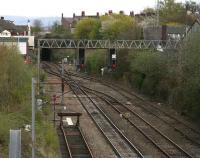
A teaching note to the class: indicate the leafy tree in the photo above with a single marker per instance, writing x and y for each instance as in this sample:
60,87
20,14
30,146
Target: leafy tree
189,87
149,10
88,28
118,26
170,11
37,26
59,31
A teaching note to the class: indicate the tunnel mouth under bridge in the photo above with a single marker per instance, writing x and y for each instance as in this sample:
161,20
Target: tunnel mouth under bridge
46,54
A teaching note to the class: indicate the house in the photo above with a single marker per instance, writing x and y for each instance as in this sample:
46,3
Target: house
5,33
15,35
164,32
12,28
70,22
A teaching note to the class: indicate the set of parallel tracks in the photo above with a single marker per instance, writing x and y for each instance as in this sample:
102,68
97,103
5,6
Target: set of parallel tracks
122,147
72,141
165,145
104,121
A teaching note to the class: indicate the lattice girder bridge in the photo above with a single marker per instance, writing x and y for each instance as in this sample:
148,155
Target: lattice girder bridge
107,44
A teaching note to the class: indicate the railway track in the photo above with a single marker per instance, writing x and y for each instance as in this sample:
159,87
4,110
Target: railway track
164,144
75,142
179,126
120,144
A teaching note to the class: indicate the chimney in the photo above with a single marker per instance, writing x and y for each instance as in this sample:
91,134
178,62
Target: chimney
110,12
97,14
121,12
132,13
83,13
62,16
2,18
74,15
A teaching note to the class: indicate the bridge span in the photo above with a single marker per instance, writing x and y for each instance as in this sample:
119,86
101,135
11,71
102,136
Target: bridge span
107,44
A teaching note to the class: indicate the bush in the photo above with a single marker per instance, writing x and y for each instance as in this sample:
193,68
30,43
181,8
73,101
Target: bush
188,99
15,81
123,64
95,61
148,69
15,104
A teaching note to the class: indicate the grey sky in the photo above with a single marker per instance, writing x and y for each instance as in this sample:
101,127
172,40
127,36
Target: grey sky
68,7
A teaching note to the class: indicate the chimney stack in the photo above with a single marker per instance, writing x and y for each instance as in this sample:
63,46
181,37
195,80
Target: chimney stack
74,15
83,13
132,13
62,16
97,14
121,12
110,12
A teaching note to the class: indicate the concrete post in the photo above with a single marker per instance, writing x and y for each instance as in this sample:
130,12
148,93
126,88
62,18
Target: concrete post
33,117
63,86
15,144
38,69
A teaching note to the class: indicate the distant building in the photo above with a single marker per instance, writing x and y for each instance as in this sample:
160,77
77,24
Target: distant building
70,22
164,32
16,35
12,28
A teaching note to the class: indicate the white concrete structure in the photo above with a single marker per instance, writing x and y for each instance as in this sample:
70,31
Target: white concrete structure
5,33
20,41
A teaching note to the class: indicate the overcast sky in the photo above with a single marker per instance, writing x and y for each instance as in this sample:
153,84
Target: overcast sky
68,7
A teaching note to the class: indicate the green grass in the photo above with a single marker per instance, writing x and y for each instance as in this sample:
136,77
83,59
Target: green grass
15,107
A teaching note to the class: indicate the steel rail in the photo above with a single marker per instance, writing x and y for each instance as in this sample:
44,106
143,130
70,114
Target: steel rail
158,131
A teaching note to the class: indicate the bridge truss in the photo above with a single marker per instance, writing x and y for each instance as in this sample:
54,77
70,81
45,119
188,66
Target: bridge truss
107,44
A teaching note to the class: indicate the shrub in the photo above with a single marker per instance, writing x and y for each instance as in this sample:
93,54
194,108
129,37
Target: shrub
15,81
95,61
188,99
148,69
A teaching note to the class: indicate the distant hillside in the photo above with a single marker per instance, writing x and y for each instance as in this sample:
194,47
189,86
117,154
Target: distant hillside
22,20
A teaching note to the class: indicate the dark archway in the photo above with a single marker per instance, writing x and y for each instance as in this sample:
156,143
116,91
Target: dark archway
81,56
46,54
